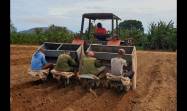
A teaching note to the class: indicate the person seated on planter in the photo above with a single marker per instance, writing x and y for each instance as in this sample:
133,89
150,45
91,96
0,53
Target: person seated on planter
90,65
65,63
39,65
118,64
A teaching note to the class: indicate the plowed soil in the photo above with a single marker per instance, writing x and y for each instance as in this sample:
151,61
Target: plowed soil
156,87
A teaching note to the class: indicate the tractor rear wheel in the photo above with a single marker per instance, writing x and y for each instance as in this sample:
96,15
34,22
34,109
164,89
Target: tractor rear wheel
84,83
107,84
120,89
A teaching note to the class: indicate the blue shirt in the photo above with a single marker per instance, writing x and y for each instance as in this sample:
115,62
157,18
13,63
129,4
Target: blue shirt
38,61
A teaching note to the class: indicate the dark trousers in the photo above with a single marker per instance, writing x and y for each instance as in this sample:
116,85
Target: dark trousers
101,38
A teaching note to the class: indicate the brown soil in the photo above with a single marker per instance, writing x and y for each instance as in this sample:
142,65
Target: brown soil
156,87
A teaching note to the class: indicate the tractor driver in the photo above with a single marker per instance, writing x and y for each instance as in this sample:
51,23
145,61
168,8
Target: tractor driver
100,31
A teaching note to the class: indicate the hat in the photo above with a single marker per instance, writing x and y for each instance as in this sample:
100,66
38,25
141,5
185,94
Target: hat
121,51
66,52
41,49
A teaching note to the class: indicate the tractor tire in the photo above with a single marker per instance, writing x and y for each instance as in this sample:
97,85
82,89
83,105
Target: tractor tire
84,83
107,84
127,88
120,89
49,77
92,85
97,83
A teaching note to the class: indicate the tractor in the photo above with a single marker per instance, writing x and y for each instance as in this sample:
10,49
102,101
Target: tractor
89,35
103,52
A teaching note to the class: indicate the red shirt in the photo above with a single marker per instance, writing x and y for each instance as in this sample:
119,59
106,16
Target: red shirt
101,30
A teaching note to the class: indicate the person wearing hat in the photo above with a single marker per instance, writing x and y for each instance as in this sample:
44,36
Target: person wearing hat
65,65
114,41
65,62
90,65
38,61
39,65
118,63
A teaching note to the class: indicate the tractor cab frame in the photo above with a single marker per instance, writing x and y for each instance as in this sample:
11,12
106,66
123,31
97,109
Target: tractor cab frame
100,16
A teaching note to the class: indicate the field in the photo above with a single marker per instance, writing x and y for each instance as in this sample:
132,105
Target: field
156,87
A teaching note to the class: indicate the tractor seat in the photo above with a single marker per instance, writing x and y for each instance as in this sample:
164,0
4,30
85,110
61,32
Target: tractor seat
59,74
42,74
125,80
113,77
88,76
101,37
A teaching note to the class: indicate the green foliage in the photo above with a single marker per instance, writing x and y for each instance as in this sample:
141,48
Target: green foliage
132,29
137,35
52,34
131,25
161,36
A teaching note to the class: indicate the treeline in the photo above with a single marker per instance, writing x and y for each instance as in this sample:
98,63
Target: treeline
39,35
160,36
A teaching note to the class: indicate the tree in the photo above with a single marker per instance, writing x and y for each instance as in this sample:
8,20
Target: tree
137,35
38,30
58,34
131,25
39,35
13,32
133,29
162,36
